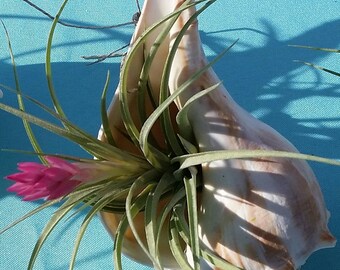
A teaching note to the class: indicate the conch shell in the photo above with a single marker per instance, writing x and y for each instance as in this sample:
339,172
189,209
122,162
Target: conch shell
256,213
152,12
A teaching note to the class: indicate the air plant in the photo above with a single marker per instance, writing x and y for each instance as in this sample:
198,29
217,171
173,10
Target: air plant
182,177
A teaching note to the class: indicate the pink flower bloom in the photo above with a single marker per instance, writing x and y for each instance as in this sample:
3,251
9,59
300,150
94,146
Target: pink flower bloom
51,181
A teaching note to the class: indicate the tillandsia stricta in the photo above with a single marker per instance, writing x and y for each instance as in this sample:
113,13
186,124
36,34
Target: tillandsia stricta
183,177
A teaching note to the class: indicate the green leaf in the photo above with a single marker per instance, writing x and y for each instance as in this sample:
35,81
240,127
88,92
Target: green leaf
106,151
144,76
128,63
316,66
151,208
134,209
28,129
56,218
182,225
94,210
320,68
48,68
182,116
216,260
104,116
143,185
203,157
51,112
316,48
98,206
165,117
149,153
191,195
188,146
177,196
42,123
29,214
183,230
92,145
175,244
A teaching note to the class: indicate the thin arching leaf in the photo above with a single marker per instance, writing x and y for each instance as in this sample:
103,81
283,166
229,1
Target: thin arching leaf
182,116
21,104
188,146
165,117
127,64
216,260
330,50
163,215
181,222
29,214
56,218
48,67
42,123
144,75
317,48
123,225
203,157
206,253
149,153
98,206
191,196
175,244
320,68
97,148
146,183
72,127
151,210
104,116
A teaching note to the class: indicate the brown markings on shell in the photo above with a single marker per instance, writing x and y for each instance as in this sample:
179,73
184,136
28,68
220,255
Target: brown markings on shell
273,246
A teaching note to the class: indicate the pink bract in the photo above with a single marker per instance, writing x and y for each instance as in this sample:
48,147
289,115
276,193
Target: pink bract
51,181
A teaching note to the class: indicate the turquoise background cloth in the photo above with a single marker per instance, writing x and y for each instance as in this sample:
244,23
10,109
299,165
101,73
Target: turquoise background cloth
300,102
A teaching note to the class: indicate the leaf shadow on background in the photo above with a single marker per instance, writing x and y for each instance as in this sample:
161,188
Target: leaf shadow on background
74,81
249,77
106,35
79,88
267,79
